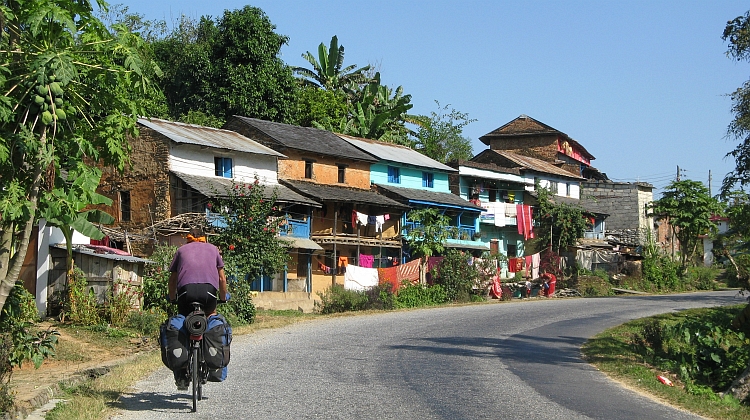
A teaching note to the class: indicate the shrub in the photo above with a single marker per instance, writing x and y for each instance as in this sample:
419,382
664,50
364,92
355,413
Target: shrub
456,276
81,304
416,295
702,278
122,297
241,303
743,263
337,299
156,280
146,322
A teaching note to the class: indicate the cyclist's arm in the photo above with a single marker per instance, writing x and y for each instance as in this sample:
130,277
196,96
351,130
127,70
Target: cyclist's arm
172,286
222,284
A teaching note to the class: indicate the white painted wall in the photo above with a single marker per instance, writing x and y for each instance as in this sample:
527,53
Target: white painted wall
199,161
562,185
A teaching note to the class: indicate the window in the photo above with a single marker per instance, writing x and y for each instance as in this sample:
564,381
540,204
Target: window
342,174
394,176
492,195
124,206
553,187
427,179
512,251
567,189
308,169
223,167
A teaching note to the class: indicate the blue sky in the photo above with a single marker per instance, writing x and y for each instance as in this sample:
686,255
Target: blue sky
642,85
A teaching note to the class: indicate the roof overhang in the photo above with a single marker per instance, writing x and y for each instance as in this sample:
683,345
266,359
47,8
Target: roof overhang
302,243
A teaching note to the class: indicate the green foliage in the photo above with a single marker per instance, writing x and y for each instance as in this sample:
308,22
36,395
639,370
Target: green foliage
121,298
687,207
249,241
146,322
337,299
440,135
81,304
326,72
92,83
227,66
320,108
417,295
430,231
558,225
241,303
156,279
698,346
743,264
737,33
456,275
702,278
659,271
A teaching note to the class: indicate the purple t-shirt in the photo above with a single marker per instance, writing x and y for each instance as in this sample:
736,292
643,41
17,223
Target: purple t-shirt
197,262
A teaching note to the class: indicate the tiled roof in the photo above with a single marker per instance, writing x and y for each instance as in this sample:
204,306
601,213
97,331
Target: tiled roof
424,196
207,136
215,186
307,139
527,126
396,153
342,194
525,162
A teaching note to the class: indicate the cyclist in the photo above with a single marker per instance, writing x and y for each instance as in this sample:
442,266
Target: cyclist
197,275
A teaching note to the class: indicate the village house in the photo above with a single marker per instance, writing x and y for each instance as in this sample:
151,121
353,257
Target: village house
177,167
355,225
418,181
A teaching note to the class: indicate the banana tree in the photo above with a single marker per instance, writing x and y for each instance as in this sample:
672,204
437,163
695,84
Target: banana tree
326,72
63,207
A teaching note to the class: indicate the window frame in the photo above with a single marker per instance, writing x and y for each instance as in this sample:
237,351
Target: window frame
223,166
394,175
125,205
308,169
428,179
342,173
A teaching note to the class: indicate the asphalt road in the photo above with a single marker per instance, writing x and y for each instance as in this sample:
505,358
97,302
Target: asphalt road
515,360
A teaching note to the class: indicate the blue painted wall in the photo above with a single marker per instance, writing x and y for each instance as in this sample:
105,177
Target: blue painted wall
410,177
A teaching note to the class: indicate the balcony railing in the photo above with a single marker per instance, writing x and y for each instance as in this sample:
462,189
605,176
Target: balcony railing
296,228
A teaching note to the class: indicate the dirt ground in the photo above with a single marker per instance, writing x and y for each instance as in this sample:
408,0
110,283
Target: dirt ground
30,384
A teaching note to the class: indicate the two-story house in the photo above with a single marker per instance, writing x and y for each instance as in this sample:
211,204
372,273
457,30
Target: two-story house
355,225
500,192
177,167
418,181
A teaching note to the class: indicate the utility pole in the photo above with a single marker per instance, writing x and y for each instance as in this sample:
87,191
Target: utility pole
709,184
678,173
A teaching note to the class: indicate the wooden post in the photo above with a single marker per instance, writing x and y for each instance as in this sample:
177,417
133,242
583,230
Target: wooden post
334,266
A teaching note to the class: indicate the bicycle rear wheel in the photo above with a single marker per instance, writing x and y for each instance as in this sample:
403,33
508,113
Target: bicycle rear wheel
195,377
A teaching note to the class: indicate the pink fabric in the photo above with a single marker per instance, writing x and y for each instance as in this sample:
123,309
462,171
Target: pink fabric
106,250
366,260
520,218
529,264
524,221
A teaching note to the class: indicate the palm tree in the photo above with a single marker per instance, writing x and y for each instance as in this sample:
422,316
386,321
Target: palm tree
326,70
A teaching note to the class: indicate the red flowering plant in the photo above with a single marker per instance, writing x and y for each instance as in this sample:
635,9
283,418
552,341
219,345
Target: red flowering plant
248,239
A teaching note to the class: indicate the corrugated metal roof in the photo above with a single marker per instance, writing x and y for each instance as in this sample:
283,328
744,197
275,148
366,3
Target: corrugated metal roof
214,186
396,153
82,249
343,194
207,136
413,195
306,139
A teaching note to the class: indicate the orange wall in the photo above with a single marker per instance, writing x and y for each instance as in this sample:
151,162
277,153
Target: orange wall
325,170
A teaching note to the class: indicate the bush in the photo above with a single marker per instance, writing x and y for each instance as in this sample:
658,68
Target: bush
456,276
416,295
592,286
81,305
743,263
337,299
156,280
122,297
241,303
702,278
698,346
146,322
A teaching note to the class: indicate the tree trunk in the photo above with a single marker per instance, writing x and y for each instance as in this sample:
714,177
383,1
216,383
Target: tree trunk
8,281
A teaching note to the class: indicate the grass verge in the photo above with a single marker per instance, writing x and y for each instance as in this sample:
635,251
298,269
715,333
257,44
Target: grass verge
613,353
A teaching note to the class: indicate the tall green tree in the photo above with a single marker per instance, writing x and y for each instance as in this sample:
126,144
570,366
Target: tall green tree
229,66
440,135
430,232
737,33
72,93
557,225
327,72
688,207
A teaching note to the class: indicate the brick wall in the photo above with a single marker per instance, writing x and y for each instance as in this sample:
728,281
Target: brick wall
325,169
